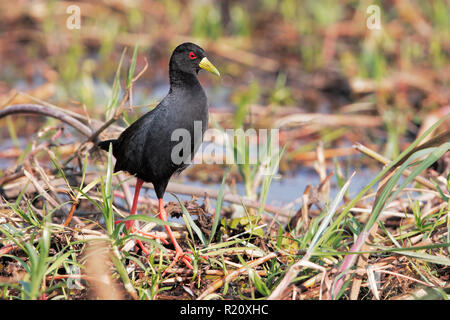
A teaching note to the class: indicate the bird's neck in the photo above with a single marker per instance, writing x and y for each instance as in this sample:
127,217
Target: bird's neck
182,80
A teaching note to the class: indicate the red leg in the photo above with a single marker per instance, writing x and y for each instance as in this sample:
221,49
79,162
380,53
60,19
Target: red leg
130,224
139,184
178,250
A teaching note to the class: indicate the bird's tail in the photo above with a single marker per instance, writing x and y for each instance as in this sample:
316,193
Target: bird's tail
105,144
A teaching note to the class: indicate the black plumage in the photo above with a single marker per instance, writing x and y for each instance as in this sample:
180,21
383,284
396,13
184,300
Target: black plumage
145,148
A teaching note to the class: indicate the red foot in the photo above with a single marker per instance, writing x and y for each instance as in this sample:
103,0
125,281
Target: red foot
180,254
133,229
130,224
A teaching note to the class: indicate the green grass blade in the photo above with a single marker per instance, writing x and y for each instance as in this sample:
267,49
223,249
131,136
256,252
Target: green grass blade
141,217
218,208
107,193
116,91
391,165
132,66
328,217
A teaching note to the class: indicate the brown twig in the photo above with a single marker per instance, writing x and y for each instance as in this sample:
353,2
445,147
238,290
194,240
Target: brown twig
70,215
42,110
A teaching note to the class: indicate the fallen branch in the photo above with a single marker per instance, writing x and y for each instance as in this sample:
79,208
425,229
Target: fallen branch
46,111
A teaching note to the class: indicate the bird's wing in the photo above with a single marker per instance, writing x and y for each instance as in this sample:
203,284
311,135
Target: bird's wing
130,145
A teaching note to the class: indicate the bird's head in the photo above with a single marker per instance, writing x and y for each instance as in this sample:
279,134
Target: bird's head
189,57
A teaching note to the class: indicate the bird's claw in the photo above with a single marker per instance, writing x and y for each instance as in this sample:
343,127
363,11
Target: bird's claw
149,235
132,229
180,254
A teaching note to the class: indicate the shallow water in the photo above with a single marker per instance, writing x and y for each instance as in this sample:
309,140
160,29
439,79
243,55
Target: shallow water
287,189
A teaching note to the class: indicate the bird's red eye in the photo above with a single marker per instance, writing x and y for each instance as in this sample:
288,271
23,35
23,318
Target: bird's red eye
192,55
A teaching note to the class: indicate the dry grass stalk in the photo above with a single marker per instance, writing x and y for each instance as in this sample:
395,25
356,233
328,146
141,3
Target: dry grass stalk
374,155
363,261
305,206
98,267
329,120
321,169
233,275
280,290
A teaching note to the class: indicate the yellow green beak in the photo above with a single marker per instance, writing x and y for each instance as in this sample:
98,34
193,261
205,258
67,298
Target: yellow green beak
208,66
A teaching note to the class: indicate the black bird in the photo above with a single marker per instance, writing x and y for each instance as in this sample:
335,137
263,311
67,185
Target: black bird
150,148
